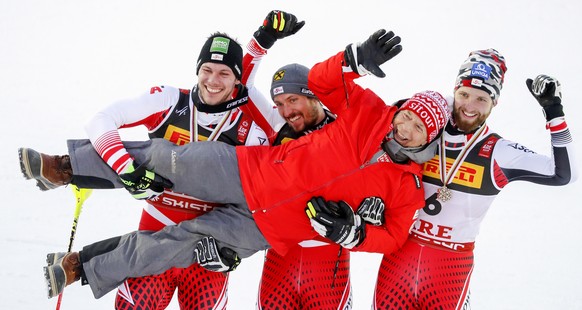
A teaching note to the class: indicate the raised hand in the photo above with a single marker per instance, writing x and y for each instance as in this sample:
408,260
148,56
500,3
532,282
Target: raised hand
366,58
548,92
277,25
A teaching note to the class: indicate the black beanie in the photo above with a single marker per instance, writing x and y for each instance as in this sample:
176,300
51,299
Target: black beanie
221,49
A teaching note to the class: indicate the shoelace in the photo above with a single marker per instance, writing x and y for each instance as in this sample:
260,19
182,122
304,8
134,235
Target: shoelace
64,166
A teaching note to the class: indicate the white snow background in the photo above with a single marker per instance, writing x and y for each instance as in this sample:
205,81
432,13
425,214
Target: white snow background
62,60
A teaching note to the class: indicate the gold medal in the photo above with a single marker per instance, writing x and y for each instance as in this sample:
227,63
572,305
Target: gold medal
444,194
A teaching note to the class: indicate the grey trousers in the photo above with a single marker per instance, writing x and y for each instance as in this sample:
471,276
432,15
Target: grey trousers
208,171
205,170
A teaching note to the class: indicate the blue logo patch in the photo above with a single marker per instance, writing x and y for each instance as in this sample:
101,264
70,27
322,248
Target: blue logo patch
481,70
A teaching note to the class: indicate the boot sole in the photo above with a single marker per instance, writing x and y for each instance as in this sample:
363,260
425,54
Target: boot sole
26,170
49,276
24,163
52,258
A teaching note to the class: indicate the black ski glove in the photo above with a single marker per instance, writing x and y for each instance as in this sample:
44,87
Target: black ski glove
365,58
336,221
548,93
372,210
277,25
210,257
142,183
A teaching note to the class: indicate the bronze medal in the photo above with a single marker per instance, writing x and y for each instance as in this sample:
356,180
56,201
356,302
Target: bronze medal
444,194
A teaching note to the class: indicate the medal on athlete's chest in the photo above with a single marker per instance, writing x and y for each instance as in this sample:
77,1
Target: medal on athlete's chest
444,193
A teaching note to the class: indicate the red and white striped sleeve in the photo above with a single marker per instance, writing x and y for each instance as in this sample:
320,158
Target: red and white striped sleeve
259,108
147,109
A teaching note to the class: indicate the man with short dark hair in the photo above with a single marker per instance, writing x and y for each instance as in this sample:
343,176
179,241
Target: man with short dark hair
315,273
208,112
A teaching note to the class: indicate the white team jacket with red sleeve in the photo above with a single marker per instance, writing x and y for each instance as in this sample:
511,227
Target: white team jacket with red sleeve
490,165
167,112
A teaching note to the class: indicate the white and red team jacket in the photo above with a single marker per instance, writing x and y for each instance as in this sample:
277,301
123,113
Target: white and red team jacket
490,165
259,107
168,112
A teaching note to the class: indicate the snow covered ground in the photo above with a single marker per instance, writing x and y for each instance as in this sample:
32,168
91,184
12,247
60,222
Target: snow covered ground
62,60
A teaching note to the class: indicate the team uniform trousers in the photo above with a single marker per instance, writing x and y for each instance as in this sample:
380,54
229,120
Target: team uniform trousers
434,268
305,278
421,276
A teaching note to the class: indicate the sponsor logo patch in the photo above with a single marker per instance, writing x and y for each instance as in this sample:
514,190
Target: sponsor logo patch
218,57
219,44
278,90
476,82
487,147
243,131
177,135
155,89
481,70
306,91
279,75
469,175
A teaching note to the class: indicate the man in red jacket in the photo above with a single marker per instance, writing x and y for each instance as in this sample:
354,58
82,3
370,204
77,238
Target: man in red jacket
371,150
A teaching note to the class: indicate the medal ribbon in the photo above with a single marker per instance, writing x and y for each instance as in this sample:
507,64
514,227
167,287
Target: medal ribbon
215,133
447,178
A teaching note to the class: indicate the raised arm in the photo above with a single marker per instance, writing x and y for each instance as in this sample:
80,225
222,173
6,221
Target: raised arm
526,165
277,25
333,80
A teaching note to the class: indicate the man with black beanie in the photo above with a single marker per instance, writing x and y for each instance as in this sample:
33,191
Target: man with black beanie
167,112
208,112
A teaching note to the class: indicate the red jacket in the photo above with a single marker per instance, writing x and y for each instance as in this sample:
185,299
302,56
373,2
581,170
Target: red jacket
332,162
